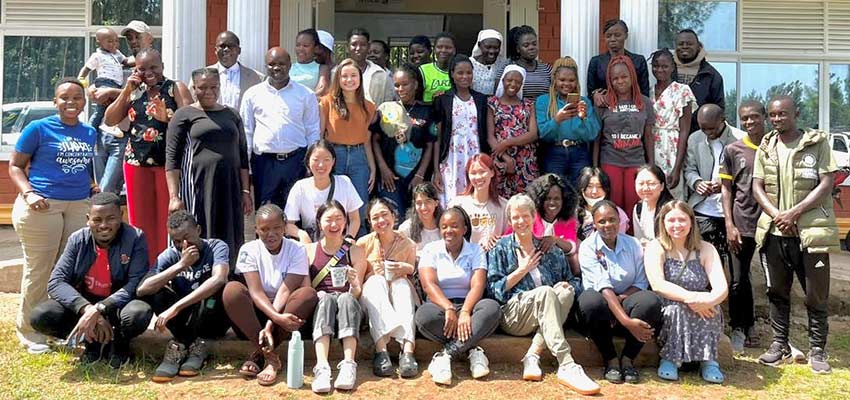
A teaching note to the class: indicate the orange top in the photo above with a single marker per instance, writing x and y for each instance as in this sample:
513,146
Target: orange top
350,132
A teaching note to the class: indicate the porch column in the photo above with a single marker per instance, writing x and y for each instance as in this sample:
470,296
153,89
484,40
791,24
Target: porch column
580,33
249,19
184,37
642,18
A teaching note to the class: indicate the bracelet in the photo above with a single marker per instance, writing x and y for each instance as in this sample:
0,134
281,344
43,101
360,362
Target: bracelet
246,191
419,176
449,308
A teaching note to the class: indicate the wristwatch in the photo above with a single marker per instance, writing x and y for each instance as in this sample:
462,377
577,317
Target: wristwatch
101,308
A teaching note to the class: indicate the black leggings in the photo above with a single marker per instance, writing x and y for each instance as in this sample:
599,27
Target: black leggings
430,319
51,318
597,317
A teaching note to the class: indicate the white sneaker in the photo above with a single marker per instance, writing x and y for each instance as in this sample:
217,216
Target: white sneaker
572,376
441,368
531,368
479,365
321,378
38,348
347,376
798,356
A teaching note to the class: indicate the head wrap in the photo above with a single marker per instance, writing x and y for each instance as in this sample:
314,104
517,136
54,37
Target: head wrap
500,90
326,39
486,34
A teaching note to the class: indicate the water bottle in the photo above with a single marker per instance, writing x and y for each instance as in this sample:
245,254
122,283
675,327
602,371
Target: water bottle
295,362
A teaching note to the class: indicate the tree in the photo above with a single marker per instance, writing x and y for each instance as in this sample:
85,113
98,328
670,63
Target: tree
731,111
674,16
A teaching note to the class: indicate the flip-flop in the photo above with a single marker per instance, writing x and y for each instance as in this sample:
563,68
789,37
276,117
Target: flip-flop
668,370
711,373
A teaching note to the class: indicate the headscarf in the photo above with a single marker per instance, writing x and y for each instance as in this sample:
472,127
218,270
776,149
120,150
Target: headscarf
326,39
486,34
500,90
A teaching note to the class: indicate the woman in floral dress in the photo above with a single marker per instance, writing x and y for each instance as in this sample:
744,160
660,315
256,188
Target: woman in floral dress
149,101
672,126
462,126
512,133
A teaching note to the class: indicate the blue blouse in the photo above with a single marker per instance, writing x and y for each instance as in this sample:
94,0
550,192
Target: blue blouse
576,129
617,269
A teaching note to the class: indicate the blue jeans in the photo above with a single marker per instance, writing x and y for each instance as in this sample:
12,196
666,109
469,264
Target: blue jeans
109,162
273,178
400,198
109,150
564,161
351,161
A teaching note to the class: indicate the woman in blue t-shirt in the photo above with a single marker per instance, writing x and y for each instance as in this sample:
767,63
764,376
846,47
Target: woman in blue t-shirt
53,195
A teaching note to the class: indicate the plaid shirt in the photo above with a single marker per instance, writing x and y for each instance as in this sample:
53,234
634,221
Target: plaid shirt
502,260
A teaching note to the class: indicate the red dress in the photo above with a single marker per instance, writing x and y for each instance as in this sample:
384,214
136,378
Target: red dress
513,121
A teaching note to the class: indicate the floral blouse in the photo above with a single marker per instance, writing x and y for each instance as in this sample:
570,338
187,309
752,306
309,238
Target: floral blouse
668,109
146,147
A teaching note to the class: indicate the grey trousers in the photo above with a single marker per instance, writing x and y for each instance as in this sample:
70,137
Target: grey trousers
337,312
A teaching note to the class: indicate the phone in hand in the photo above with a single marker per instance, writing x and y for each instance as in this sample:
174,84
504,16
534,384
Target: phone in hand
573,98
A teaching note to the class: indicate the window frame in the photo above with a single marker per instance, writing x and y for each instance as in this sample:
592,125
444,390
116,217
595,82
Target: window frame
85,31
824,61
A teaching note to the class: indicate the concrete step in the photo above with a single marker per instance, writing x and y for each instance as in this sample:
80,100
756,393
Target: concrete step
499,348
10,275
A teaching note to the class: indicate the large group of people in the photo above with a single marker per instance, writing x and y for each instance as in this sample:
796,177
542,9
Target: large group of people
530,208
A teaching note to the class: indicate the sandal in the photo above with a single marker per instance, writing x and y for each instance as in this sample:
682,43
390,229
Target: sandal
251,367
668,370
273,365
711,373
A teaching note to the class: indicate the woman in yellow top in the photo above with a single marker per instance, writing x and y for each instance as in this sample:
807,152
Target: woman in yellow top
345,118
435,75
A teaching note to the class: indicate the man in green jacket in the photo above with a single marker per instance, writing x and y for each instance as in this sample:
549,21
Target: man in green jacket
792,182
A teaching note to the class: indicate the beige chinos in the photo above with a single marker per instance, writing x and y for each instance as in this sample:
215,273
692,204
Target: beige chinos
543,311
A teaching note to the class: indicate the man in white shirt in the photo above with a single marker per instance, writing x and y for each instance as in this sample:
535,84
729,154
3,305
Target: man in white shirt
377,82
235,78
702,174
281,120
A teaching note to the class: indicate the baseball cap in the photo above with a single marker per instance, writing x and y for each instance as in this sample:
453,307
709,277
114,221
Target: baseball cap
136,25
326,39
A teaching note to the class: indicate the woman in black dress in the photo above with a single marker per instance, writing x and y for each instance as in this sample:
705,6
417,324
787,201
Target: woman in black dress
207,163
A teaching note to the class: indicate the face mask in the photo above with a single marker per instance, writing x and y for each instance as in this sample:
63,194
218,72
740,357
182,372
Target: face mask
592,202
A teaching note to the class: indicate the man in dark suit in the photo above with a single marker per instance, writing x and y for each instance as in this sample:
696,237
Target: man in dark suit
235,78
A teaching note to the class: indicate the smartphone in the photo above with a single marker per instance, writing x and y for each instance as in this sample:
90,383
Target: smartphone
573,98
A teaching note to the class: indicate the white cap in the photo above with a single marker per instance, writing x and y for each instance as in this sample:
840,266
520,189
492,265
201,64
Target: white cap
326,39
136,25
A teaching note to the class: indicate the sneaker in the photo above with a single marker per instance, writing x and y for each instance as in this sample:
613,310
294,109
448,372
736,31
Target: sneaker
776,354
197,354
531,368
817,360
572,376
38,348
738,339
347,376
381,364
479,365
798,356
441,368
170,365
321,378
407,365
119,353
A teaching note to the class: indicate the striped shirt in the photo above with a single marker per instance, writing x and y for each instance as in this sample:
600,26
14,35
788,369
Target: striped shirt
536,82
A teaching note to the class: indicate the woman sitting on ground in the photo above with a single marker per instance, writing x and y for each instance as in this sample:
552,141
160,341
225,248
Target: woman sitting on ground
616,297
454,275
338,311
276,298
687,273
388,295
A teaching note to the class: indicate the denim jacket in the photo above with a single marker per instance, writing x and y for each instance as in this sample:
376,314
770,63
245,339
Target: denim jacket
502,260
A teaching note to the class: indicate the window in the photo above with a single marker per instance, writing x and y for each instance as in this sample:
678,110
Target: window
839,98
120,12
716,22
33,64
761,82
729,72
